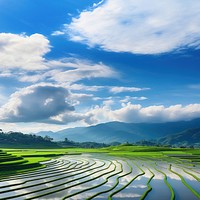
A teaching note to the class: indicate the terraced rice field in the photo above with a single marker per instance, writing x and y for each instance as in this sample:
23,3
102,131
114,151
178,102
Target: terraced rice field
100,176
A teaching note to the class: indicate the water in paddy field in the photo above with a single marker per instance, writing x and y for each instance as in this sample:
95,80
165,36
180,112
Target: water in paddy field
99,176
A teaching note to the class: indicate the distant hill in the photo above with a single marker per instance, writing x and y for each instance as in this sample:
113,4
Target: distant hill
20,140
122,132
184,138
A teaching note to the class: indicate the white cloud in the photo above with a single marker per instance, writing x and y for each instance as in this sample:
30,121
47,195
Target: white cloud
144,27
22,51
23,57
108,103
70,117
129,98
36,103
54,104
93,88
70,70
78,98
126,89
56,33
136,113
6,73
81,69
45,103
97,4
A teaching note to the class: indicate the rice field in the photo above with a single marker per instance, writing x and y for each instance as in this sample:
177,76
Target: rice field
102,176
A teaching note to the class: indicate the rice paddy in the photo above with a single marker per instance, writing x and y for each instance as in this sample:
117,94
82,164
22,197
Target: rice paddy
104,176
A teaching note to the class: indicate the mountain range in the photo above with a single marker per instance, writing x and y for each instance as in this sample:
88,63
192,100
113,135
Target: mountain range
126,132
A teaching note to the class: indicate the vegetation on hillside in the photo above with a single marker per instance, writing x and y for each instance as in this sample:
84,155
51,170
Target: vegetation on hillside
187,138
20,140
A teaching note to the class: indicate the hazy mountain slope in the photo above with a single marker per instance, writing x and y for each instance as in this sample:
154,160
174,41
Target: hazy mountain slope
187,137
122,132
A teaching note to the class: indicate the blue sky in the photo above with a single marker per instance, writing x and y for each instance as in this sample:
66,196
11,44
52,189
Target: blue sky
73,63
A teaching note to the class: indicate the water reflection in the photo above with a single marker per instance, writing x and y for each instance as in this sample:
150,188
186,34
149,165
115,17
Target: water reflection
70,175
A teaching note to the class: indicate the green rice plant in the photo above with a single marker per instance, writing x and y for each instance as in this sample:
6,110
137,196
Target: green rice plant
167,183
184,182
28,173
148,185
98,185
61,184
126,185
116,183
198,179
25,187
34,179
25,172
64,188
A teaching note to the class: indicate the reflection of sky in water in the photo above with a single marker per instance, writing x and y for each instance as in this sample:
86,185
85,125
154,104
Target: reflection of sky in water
42,179
181,191
192,169
48,170
60,194
82,186
71,165
111,182
158,187
135,189
188,178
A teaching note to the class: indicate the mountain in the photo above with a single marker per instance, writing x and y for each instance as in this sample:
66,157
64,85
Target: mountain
122,132
184,138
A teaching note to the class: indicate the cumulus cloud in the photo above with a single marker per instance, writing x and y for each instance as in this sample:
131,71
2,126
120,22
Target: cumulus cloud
22,51
45,103
143,27
135,113
36,103
54,104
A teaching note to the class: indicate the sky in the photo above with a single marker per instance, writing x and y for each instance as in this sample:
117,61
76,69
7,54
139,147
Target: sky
78,63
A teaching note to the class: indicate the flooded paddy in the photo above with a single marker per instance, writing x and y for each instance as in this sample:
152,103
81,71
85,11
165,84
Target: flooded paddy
100,176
